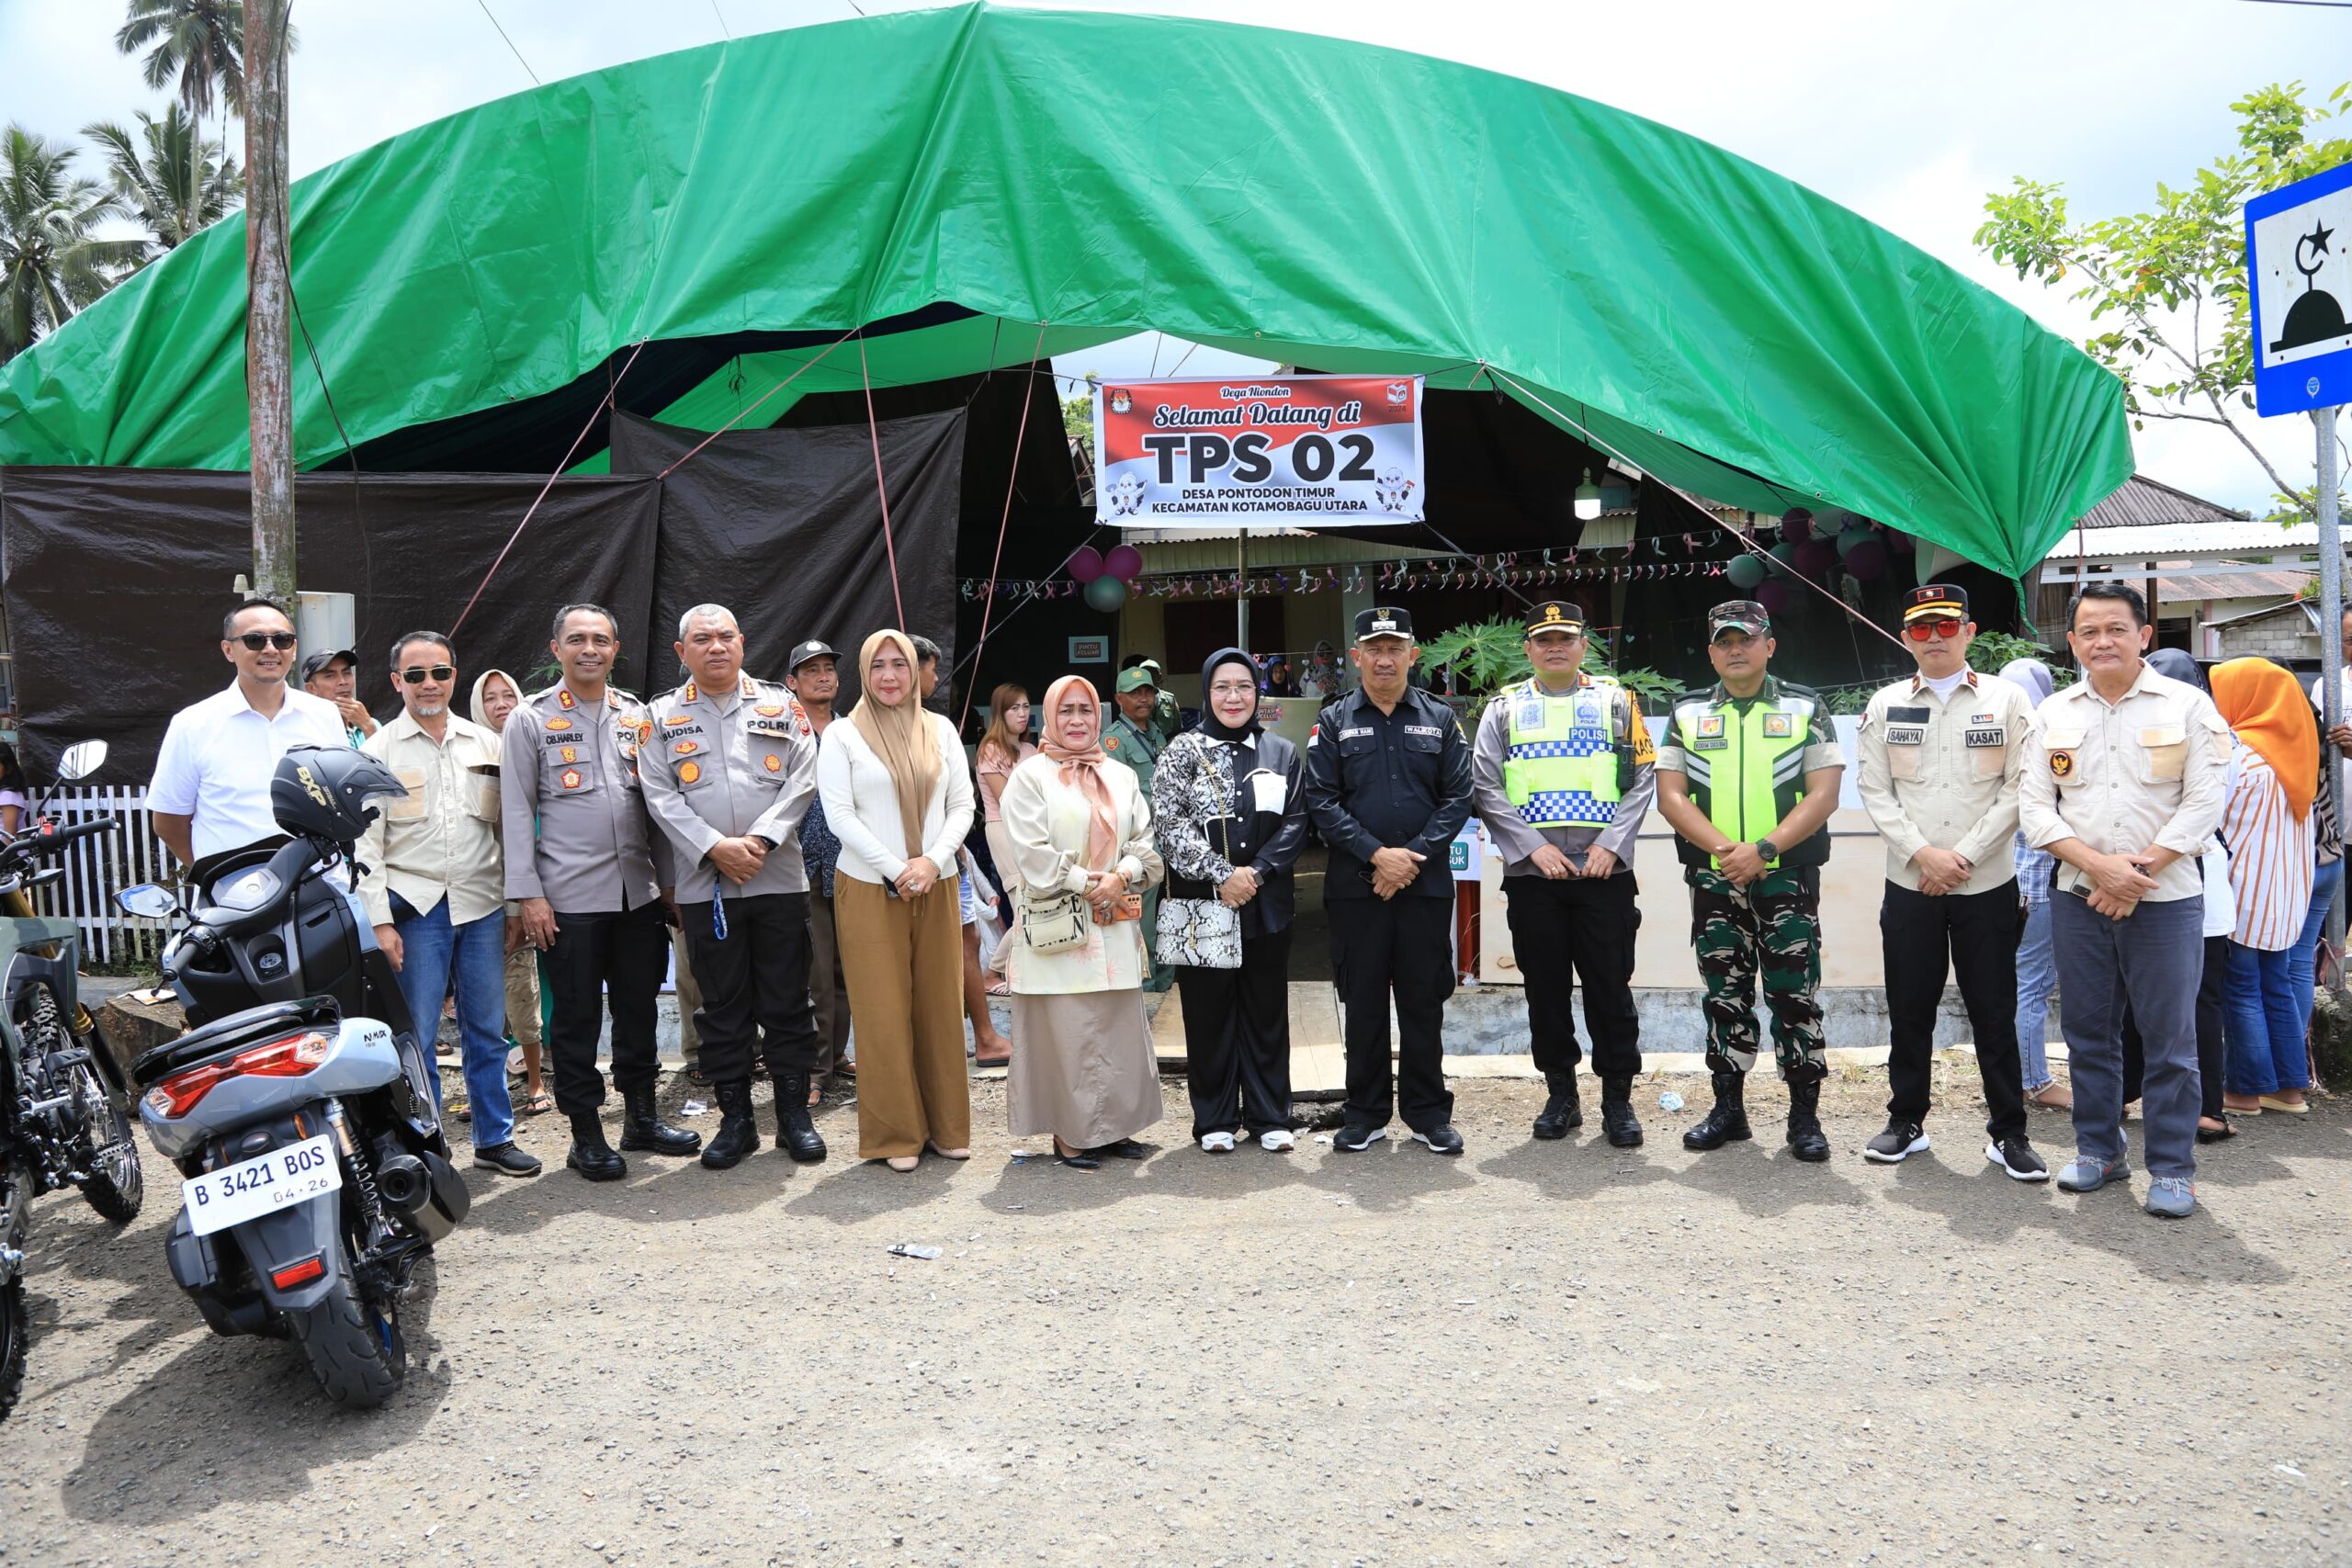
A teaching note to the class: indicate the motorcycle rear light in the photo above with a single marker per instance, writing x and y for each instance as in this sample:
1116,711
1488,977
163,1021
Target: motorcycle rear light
300,1274
288,1058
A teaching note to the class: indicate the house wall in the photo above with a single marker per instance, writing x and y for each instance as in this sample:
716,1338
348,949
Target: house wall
2281,637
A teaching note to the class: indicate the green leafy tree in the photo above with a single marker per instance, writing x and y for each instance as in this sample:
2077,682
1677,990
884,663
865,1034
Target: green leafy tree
52,264
195,49
171,188
2168,285
1486,656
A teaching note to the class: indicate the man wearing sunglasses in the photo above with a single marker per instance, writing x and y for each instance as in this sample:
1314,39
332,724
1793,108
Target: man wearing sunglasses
1940,759
210,792
435,883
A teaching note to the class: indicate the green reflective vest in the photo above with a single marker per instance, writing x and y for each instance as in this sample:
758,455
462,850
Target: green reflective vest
1745,763
1561,762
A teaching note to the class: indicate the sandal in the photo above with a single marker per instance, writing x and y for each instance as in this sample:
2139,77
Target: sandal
2214,1134
695,1075
902,1163
948,1154
460,1111
1003,1061
2052,1095
999,987
539,1104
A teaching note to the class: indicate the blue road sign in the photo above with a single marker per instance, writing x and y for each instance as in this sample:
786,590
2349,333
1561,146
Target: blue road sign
2299,264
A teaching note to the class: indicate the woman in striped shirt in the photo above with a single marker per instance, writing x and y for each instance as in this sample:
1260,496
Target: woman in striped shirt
2268,826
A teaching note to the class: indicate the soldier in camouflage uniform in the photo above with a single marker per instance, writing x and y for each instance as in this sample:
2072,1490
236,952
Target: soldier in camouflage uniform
1747,773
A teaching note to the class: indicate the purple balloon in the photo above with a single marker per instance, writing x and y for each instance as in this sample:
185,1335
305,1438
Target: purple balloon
1796,525
1901,543
1086,563
1125,562
1816,557
1773,596
1866,560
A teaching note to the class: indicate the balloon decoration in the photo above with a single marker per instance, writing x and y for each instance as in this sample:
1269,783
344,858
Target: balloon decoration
1833,522
1773,596
1784,555
1086,563
1124,562
1745,572
1849,540
1866,560
1106,594
1796,525
1816,557
1901,543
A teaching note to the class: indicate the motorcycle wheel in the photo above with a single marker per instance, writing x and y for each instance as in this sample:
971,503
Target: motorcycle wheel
116,1186
355,1350
15,1334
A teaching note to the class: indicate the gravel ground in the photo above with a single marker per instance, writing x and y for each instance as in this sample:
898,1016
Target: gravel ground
1537,1353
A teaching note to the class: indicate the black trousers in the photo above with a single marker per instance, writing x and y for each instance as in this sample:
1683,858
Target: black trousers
1237,1039
1975,935
2209,1035
615,958
1578,929
755,985
1401,946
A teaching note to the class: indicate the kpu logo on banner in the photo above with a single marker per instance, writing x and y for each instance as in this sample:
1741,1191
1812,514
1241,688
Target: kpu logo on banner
1212,453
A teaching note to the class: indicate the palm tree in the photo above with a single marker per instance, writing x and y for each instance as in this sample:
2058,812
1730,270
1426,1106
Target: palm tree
199,42
170,188
51,263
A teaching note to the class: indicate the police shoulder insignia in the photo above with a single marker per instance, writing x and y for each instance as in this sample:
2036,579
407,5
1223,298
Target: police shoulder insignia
563,697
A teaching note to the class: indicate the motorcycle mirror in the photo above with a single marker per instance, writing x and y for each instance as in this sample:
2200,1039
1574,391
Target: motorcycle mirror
145,898
80,760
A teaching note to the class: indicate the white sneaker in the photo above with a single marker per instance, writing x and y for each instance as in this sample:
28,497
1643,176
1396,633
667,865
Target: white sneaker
1277,1141
1217,1142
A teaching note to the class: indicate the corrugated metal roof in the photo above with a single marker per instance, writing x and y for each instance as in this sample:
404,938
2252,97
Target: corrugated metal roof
2249,585
2159,541
2310,610
2141,499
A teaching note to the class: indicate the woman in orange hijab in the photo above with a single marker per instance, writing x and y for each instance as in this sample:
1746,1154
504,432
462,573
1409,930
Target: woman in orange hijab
2269,829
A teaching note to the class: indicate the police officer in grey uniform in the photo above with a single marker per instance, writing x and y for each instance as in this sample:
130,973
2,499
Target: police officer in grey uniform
580,863
1388,787
729,775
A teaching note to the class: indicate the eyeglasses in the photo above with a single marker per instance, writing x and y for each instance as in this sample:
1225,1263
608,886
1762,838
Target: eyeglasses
1934,626
256,641
416,673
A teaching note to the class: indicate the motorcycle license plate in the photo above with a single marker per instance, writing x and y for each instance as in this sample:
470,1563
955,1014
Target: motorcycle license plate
263,1185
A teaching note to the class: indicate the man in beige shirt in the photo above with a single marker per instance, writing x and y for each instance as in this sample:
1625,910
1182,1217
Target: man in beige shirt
1940,758
433,884
2123,781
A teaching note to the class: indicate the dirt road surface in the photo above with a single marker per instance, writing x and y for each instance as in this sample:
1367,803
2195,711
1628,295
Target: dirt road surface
1539,1353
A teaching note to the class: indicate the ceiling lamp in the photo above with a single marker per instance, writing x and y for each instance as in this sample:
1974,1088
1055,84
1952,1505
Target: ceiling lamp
1588,499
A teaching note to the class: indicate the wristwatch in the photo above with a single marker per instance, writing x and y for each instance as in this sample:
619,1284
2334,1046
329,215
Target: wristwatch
1768,848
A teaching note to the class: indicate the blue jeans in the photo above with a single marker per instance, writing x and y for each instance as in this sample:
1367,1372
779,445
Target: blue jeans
431,952
2147,965
2037,978
2303,957
2262,1032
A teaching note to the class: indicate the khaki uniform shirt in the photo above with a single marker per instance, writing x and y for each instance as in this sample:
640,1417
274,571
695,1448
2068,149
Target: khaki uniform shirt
575,825
443,840
736,764
2148,771
1942,771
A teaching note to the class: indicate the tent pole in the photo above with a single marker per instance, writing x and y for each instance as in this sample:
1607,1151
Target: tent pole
1241,591
269,345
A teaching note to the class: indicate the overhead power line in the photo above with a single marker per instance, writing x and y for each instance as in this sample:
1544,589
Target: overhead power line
510,43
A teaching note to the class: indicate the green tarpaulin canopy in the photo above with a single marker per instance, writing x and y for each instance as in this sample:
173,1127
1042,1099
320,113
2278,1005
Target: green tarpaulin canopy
1303,200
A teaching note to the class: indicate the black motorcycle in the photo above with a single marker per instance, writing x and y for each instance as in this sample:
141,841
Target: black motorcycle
300,1106
64,1118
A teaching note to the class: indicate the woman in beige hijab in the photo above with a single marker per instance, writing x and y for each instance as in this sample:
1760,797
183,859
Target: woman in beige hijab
1083,1068
496,694
898,797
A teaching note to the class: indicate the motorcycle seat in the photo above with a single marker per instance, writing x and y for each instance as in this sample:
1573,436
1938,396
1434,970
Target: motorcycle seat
233,1033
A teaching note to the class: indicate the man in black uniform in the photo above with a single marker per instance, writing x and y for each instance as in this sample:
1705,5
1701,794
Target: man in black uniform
1388,786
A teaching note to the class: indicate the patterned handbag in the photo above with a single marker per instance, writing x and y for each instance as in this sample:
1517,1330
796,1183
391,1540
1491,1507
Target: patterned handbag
1054,922
1201,933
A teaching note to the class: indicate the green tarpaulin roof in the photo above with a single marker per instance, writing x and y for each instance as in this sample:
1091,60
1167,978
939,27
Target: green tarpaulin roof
1305,199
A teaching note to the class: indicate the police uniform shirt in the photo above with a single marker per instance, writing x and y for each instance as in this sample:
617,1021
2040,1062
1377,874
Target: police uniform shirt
1513,834
1387,780
576,832
736,764
1943,772
2147,771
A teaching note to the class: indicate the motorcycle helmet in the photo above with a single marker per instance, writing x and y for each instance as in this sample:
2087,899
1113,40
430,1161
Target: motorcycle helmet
325,792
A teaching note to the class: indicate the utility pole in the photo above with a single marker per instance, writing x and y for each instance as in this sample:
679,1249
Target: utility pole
2331,628
269,344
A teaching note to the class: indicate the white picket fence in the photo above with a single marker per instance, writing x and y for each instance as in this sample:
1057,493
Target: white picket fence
97,868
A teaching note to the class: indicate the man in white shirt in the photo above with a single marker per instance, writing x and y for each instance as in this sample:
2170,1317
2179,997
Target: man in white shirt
210,792
434,884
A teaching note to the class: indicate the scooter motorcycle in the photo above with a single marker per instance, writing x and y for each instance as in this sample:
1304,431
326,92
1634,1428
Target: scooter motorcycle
300,1106
64,1111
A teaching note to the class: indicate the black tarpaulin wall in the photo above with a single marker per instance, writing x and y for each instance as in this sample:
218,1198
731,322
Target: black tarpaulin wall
784,527
115,580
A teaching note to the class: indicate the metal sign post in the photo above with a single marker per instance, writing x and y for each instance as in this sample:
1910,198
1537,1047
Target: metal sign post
2298,271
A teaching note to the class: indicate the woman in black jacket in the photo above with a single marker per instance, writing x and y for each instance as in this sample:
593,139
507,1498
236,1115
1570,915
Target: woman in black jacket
1229,805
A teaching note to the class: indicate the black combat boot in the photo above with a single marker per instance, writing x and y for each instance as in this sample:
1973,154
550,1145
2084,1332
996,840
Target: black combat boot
796,1134
738,1135
1562,1111
642,1127
1805,1138
591,1155
1727,1123
1617,1118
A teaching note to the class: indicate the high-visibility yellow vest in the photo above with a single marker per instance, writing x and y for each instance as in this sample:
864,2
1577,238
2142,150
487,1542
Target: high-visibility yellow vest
1745,766
1561,762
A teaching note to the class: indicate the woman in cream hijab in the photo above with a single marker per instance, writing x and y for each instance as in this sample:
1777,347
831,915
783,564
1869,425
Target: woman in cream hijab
898,797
